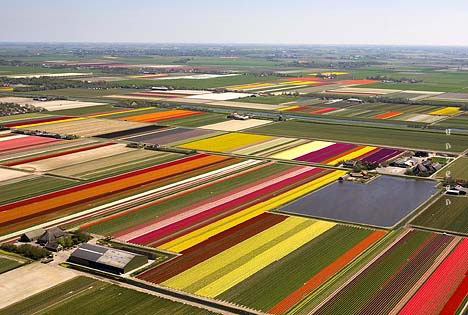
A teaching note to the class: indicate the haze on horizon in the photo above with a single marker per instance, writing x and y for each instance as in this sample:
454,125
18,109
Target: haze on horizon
397,22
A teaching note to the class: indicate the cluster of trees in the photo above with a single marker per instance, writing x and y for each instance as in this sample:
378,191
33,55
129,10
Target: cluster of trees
73,239
7,109
365,166
337,65
385,78
41,84
26,250
13,63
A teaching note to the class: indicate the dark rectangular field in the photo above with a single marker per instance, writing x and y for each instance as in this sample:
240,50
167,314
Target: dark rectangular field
382,202
120,134
169,136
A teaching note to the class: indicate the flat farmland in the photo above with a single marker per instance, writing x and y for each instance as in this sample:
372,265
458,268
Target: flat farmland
21,117
64,160
88,127
278,287
396,137
24,282
236,125
10,70
448,213
273,100
200,84
79,92
170,135
379,111
197,120
60,204
34,186
90,296
432,81
458,122
380,287
115,165
458,169
85,110
246,264
8,264
126,223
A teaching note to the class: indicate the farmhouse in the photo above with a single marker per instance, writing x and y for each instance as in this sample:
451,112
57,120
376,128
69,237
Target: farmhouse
107,259
50,236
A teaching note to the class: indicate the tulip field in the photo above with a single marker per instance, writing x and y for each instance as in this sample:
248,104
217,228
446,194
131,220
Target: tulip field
322,152
238,264
418,273
263,222
56,204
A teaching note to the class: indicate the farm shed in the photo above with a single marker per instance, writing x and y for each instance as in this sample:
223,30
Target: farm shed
107,259
32,236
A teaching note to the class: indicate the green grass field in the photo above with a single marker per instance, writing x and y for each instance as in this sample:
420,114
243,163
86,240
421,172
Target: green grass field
14,70
91,93
401,137
271,285
33,186
22,117
83,295
458,122
8,264
458,169
448,213
436,81
196,120
84,110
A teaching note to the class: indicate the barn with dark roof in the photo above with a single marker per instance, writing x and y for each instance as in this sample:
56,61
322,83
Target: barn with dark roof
107,259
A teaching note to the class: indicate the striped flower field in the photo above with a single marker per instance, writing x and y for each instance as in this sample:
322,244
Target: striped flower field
322,152
22,213
416,274
160,116
15,142
176,220
244,264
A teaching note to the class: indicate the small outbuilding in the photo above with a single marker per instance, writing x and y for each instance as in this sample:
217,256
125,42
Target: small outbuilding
107,259
53,246
32,236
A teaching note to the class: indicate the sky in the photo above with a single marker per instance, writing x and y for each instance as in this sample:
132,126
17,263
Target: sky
393,22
